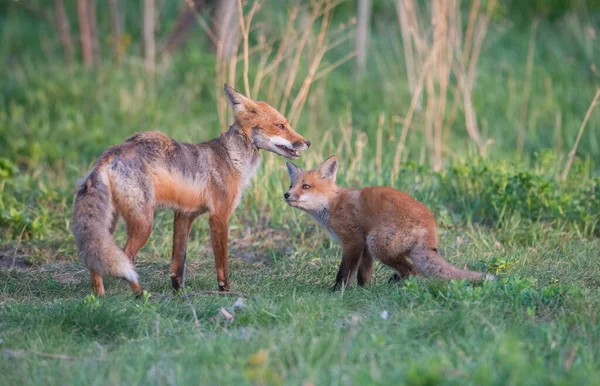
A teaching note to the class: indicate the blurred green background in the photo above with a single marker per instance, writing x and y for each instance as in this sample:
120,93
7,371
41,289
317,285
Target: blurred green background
481,109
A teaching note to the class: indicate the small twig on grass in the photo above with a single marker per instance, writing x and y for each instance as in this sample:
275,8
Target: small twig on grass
351,328
21,353
571,156
166,297
196,321
569,361
226,293
158,329
12,265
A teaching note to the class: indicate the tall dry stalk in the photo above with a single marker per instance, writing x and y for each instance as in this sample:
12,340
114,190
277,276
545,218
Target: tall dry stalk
526,88
115,27
62,23
148,35
84,33
451,68
571,156
407,44
93,31
363,26
292,66
245,23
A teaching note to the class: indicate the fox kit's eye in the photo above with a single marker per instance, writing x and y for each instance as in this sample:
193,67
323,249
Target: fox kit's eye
290,187
281,126
305,186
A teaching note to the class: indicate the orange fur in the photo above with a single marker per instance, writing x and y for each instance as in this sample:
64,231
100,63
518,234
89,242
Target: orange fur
374,222
175,191
152,170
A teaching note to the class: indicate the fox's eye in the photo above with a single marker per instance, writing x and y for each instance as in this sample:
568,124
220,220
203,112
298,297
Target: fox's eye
290,187
281,126
305,186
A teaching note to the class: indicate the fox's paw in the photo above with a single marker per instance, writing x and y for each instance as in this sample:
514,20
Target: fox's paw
337,287
223,287
395,278
176,283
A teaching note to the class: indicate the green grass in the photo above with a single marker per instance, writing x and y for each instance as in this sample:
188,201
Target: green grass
536,325
507,213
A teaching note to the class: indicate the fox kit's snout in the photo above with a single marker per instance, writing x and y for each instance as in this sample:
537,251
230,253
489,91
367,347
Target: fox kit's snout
374,222
150,170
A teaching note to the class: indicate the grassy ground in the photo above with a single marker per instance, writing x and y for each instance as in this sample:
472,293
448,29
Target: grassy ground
507,213
536,325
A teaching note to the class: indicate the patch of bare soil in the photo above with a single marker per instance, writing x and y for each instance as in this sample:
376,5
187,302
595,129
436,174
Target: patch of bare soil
9,260
252,245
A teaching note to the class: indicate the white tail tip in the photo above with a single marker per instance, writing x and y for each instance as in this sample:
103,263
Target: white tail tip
128,273
489,276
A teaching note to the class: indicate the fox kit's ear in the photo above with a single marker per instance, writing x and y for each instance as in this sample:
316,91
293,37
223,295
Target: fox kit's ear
328,169
293,170
239,103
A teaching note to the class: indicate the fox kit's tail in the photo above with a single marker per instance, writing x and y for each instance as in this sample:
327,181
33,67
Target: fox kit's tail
92,222
428,262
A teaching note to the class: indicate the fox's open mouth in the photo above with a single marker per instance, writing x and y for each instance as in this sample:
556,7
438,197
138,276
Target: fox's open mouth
289,151
291,202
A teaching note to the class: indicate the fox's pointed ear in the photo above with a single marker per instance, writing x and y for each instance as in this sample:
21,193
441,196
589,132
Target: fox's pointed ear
293,170
328,169
238,102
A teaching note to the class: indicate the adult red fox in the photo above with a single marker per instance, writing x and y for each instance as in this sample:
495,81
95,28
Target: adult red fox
151,170
374,222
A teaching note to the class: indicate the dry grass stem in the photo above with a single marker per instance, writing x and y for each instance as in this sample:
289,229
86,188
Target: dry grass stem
571,156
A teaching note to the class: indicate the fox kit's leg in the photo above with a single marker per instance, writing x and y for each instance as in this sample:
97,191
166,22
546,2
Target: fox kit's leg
365,268
390,246
350,260
181,231
97,284
403,270
218,222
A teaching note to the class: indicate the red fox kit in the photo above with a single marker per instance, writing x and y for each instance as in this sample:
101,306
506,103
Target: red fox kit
374,222
151,170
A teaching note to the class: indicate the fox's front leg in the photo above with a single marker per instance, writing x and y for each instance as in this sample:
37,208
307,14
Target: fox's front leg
181,233
218,236
350,259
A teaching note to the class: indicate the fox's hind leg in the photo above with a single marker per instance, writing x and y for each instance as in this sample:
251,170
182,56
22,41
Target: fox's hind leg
365,268
97,284
114,222
138,232
403,270
181,232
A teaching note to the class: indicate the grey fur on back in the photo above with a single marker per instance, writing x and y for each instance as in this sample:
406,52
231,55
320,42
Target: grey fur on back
125,168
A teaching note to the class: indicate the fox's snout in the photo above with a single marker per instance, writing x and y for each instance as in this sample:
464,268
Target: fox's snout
291,198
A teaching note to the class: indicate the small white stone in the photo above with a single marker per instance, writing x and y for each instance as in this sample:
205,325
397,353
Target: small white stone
239,305
225,315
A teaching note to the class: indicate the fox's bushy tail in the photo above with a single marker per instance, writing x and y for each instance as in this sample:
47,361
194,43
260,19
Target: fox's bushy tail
92,220
428,262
